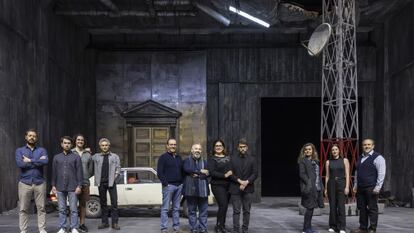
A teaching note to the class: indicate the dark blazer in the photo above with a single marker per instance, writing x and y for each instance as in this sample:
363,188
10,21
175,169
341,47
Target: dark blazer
311,198
247,171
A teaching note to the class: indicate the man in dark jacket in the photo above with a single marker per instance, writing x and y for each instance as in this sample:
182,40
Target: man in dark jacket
241,188
67,180
169,171
196,189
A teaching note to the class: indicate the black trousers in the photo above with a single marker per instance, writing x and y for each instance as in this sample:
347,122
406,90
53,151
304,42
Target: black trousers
113,195
238,201
222,196
367,203
307,223
336,196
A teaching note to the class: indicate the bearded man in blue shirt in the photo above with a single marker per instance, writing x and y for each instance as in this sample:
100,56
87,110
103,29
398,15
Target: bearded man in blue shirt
31,159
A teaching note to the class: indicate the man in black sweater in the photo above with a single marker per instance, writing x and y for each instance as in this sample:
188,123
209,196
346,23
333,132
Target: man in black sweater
169,170
241,188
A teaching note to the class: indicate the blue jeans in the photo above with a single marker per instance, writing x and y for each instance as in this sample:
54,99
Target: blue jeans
73,205
171,193
202,204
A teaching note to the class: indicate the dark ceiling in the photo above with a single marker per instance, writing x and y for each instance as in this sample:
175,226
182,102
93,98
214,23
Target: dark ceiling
106,18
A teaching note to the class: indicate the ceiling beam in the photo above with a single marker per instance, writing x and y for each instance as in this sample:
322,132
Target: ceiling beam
171,2
211,30
201,31
130,13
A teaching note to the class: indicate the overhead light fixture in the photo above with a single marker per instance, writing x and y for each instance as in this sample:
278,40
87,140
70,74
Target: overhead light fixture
252,18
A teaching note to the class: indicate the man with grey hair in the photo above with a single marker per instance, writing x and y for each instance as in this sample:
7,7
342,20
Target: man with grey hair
107,169
196,189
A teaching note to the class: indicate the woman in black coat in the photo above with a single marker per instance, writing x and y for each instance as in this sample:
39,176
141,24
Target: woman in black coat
310,183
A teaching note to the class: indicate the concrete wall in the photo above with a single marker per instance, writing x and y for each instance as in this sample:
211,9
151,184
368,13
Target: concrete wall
399,72
46,82
177,80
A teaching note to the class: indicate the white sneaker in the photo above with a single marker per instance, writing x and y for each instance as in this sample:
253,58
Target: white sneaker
43,231
342,231
61,230
74,230
331,230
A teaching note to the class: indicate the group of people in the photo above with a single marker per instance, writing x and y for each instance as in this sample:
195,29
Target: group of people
369,178
71,170
231,179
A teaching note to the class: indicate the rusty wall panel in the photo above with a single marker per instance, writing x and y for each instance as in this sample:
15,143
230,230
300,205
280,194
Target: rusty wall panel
177,80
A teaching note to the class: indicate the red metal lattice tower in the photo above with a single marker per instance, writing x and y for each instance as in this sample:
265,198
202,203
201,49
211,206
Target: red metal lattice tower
339,121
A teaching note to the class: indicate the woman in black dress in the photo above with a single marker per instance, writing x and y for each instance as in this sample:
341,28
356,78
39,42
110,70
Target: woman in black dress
219,167
337,187
310,184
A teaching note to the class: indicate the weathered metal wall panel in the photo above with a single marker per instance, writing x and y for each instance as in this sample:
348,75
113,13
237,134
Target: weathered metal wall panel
177,80
400,74
239,78
46,82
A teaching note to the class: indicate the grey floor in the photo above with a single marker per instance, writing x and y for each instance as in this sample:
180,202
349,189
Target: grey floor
271,216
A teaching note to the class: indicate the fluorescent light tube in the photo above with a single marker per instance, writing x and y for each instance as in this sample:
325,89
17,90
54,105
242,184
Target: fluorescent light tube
252,18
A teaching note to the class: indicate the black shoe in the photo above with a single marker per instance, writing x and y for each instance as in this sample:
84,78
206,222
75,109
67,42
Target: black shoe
115,226
83,228
103,226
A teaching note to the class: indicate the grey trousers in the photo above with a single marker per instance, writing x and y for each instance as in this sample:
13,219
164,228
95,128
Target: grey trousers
25,197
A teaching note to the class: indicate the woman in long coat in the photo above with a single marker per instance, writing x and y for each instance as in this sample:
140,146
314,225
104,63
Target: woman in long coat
310,184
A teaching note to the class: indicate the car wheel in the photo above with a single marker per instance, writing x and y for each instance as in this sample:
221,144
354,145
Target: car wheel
93,207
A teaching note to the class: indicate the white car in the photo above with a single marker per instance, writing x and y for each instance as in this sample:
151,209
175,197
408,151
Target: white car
136,187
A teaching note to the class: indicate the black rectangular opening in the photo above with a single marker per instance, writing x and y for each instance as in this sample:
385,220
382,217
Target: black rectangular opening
287,124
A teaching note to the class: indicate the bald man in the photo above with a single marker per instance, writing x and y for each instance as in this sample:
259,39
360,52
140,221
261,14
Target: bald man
196,189
369,178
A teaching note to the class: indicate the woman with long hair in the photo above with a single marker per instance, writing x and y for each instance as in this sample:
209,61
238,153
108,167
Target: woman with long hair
310,184
219,167
337,187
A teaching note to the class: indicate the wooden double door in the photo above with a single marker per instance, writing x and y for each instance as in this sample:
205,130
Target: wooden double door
149,143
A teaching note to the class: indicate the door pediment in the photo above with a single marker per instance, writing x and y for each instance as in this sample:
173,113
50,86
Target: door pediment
150,109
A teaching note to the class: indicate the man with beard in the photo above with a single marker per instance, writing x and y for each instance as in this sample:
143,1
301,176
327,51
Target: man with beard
195,189
87,169
169,171
31,159
242,186
67,183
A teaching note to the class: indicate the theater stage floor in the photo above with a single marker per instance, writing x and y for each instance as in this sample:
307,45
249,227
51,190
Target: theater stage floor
273,215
